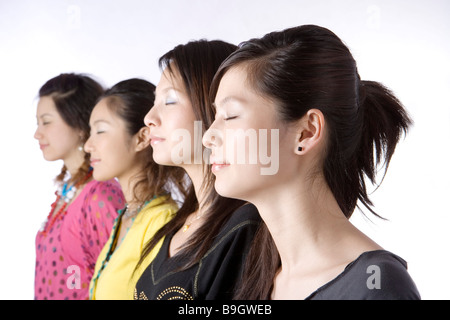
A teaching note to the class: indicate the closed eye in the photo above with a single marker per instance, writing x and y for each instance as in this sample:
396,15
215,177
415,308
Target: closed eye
230,118
170,101
97,132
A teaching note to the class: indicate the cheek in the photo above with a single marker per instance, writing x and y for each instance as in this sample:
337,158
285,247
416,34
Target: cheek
182,146
255,163
67,139
62,144
114,158
261,147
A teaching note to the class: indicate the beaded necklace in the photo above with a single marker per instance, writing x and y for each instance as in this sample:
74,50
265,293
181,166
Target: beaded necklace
66,194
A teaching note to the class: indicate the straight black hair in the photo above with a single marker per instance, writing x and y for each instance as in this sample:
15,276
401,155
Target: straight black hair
196,62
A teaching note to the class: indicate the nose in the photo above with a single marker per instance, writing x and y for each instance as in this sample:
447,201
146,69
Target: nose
151,118
88,147
37,134
212,138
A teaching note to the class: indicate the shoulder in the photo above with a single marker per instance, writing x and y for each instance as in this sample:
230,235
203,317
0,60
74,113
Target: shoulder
162,204
387,275
386,262
104,194
162,207
102,188
239,229
242,216
102,198
375,275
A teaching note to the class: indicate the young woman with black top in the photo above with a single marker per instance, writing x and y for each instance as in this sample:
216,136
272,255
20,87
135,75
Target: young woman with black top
205,244
333,130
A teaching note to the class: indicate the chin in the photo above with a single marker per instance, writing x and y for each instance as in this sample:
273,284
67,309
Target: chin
162,160
229,191
50,158
99,176
166,161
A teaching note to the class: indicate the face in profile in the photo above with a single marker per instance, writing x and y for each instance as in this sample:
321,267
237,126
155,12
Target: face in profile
172,123
57,140
250,146
110,145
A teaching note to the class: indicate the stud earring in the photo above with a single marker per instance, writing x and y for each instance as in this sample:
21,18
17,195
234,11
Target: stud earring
300,149
80,148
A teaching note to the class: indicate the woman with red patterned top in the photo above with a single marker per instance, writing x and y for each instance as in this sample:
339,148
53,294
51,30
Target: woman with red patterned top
81,218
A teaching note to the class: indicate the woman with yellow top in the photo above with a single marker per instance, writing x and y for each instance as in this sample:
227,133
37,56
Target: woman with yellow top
120,147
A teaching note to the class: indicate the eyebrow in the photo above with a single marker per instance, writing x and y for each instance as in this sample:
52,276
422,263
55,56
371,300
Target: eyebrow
165,90
101,120
227,100
45,115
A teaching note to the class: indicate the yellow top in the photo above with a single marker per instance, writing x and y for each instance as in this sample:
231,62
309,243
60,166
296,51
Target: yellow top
114,279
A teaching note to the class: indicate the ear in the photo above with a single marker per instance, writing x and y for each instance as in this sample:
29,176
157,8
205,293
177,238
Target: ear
310,131
142,139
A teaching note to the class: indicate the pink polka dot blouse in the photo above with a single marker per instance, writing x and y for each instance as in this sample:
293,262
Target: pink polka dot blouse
66,254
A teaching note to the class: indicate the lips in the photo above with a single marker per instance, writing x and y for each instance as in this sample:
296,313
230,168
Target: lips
216,167
43,146
154,140
94,162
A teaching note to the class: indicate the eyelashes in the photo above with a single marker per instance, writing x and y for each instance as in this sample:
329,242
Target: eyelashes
226,118
98,131
170,102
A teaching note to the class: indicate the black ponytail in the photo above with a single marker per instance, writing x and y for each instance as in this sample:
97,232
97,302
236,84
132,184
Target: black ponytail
380,121
385,120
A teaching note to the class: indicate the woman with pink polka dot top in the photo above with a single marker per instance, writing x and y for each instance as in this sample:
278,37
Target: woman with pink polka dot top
81,218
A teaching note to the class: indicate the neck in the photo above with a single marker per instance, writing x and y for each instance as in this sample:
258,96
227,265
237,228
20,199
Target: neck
195,173
304,220
127,183
74,162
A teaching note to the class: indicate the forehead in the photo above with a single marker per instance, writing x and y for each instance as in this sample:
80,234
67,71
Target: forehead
235,86
45,106
102,112
170,79
236,91
232,83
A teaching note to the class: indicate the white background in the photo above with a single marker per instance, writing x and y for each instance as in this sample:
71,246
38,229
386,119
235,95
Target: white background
403,44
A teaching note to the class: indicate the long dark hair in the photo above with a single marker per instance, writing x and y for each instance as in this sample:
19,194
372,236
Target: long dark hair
131,100
309,67
197,62
74,96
